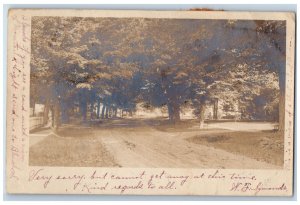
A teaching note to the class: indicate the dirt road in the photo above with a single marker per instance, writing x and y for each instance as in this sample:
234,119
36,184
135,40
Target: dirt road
150,147
243,126
141,143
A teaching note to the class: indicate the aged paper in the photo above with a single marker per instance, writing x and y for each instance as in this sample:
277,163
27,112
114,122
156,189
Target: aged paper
150,102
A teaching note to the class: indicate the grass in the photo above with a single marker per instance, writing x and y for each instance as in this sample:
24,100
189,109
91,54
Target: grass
264,146
85,151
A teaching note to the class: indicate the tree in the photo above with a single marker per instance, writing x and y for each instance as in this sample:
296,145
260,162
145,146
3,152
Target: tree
120,62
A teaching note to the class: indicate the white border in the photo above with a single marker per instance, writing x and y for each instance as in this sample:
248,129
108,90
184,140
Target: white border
263,8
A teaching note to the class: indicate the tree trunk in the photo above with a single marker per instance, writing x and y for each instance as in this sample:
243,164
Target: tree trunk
170,112
46,112
173,105
281,111
215,114
281,99
52,116
174,112
33,109
64,111
98,108
83,108
115,112
176,109
106,111
281,114
110,112
201,115
92,109
103,111
56,118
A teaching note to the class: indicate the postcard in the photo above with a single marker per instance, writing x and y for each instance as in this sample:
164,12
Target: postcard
150,102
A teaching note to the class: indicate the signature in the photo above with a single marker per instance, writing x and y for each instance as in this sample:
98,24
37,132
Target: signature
256,187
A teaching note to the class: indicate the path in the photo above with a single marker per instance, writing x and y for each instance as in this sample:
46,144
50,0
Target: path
137,143
38,136
149,147
242,126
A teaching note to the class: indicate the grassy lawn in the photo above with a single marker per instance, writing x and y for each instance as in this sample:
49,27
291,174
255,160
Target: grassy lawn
74,147
264,146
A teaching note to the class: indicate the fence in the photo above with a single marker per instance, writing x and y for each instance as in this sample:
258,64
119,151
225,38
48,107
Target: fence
36,122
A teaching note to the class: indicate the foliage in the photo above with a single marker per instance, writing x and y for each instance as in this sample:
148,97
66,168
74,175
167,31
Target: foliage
121,62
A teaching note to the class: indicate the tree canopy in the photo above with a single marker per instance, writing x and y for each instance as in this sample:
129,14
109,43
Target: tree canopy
120,62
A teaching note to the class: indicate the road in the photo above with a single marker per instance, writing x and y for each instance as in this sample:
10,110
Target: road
242,126
149,147
136,143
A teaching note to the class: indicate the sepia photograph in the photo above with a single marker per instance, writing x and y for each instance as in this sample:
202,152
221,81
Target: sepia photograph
150,102
157,92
